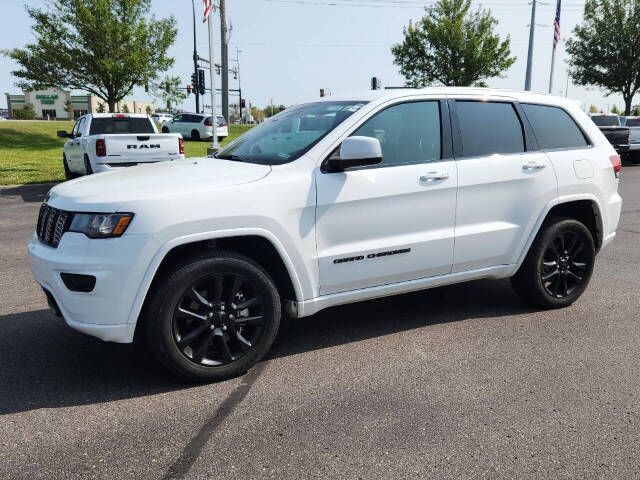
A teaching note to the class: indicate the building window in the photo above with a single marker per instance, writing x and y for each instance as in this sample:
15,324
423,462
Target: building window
50,113
79,113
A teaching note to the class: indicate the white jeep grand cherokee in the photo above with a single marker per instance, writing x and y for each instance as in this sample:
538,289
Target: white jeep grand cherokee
335,201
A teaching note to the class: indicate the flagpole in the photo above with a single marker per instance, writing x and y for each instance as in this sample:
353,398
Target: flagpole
553,61
212,73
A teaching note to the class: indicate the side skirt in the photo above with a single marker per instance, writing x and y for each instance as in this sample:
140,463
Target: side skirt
314,305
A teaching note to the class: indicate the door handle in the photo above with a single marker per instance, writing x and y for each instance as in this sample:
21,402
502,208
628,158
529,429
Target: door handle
534,165
428,177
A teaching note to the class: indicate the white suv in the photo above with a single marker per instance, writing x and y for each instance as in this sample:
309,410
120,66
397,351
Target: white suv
330,202
196,126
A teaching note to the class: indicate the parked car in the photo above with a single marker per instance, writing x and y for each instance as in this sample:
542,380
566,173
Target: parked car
161,117
340,200
610,126
100,142
633,124
195,126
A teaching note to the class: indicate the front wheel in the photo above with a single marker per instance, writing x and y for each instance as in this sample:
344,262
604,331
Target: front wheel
558,267
213,317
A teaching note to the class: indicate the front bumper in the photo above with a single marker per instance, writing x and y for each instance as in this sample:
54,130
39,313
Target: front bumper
119,265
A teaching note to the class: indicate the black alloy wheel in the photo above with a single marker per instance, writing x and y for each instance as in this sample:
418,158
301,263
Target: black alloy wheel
219,319
212,315
558,265
564,265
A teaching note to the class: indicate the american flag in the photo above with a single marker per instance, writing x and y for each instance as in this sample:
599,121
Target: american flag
556,26
208,5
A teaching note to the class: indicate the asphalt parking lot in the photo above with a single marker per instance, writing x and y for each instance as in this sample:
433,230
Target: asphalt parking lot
456,382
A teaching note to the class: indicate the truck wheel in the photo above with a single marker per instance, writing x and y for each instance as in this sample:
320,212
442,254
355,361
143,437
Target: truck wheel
68,174
87,166
213,316
165,130
558,266
195,135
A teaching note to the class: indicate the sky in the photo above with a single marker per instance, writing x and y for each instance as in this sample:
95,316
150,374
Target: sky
289,49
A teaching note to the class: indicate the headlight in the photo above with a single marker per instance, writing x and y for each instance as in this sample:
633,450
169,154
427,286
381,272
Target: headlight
100,225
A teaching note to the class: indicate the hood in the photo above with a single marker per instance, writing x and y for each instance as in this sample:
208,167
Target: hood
112,190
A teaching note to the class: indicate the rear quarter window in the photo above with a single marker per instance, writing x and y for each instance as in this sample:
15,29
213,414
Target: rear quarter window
554,128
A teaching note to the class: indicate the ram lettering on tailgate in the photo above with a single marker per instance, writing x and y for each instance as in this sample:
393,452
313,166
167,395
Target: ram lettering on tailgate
151,145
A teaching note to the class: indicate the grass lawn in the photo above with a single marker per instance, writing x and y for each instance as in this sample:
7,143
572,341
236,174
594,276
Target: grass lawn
30,152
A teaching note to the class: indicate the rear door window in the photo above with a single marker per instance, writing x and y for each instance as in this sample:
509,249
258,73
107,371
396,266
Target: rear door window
488,128
108,125
633,122
553,127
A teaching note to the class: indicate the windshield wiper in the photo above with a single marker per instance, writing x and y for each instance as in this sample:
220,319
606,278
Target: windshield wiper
234,158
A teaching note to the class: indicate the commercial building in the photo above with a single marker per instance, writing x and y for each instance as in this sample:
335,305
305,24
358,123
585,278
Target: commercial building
56,104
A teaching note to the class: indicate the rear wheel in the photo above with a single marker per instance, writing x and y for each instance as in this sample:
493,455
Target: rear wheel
220,139
195,135
88,170
635,157
559,265
213,317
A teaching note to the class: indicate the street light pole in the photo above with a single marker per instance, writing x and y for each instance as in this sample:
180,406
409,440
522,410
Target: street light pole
195,58
215,146
239,85
532,27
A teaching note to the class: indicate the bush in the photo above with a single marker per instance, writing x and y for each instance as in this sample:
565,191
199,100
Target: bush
25,113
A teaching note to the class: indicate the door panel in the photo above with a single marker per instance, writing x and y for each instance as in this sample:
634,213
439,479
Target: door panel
393,222
499,200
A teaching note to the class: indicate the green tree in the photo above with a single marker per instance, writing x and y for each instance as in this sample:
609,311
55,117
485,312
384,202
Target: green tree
105,47
605,50
148,109
169,92
125,108
25,113
615,110
593,109
100,108
636,110
452,46
257,114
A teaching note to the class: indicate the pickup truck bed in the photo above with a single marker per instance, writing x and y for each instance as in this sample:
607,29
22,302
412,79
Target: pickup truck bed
612,128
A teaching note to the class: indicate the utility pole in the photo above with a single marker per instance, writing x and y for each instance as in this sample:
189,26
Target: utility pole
224,61
195,59
215,146
532,27
239,85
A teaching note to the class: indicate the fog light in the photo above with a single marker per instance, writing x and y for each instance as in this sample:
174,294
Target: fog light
78,283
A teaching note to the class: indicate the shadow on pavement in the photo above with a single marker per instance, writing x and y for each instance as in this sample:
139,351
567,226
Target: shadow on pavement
45,364
28,193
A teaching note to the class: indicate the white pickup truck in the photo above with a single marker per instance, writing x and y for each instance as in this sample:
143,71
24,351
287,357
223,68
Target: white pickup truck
101,142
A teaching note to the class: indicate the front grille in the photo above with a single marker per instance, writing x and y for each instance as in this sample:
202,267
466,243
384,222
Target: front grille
52,224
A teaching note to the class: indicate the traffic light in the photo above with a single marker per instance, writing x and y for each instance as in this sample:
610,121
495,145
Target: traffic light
188,89
194,82
242,103
201,81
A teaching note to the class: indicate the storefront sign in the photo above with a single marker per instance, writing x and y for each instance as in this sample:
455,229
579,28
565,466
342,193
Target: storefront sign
47,99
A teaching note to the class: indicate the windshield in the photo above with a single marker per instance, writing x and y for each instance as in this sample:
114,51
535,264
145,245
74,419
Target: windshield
606,120
289,134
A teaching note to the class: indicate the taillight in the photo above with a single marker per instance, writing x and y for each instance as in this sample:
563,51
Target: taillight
208,124
101,148
616,163
181,145
224,124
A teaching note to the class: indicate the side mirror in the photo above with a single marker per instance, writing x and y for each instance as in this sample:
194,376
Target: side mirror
356,152
63,134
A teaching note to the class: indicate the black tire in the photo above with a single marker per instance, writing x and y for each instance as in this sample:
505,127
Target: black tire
195,135
87,166
634,157
562,253
68,174
220,139
165,130
202,357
